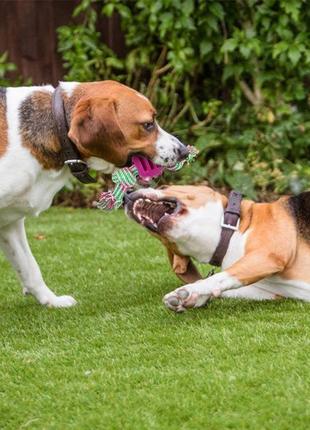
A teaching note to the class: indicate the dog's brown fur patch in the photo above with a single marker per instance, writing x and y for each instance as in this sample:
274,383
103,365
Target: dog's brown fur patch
38,129
3,123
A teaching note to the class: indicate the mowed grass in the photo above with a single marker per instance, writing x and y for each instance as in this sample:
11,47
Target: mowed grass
120,360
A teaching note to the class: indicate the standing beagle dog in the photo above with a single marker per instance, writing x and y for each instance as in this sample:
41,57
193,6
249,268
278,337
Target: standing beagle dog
45,133
264,252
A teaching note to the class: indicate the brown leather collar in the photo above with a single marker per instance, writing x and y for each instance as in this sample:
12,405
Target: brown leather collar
229,224
70,154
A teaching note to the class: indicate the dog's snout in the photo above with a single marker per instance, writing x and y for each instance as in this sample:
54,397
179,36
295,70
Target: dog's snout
182,151
169,149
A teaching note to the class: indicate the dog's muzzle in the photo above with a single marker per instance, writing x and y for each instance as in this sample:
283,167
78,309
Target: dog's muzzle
151,212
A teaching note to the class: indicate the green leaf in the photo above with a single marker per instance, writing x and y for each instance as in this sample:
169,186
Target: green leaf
212,22
217,10
3,57
124,11
292,7
242,182
294,55
279,48
232,70
245,51
114,62
108,9
206,142
205,47
188,7
229,45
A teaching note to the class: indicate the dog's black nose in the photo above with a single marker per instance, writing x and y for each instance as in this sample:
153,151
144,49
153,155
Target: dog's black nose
182,152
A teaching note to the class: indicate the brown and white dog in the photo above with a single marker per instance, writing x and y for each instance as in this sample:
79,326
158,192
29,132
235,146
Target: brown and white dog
268,256
107,122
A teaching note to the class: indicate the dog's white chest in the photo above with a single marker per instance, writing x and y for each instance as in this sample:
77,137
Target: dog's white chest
199,233
39,197
33,197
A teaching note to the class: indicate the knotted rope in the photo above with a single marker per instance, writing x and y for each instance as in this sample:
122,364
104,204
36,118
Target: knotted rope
128,177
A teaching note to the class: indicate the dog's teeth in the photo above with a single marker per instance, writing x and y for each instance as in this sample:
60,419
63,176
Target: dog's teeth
134,209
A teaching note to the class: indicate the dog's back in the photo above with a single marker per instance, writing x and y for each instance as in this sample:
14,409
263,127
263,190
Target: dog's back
299,207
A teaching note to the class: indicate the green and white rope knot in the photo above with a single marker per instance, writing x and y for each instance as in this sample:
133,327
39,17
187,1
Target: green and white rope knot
193,152
124,179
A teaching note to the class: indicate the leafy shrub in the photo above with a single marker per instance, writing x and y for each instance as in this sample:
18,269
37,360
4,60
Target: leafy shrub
8,76
230,77
5,68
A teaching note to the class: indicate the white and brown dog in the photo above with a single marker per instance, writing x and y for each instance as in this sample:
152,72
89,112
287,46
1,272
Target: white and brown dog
107,122
267,257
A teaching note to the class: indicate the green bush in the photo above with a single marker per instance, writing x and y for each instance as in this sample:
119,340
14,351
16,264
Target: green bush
230,77
5,68
6,77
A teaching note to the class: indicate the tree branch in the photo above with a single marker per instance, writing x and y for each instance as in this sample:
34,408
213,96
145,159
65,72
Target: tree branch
249,94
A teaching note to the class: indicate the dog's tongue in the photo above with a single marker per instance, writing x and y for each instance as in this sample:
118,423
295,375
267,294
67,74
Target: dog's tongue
146,168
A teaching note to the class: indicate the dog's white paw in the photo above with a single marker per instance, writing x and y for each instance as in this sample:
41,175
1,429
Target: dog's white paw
46,297
61,302
197,294
185,298
52,301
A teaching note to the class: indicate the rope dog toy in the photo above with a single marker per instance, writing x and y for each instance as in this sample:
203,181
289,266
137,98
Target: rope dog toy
128,177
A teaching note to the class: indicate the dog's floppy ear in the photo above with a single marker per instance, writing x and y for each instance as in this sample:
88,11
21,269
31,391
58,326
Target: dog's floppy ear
94,122
183,267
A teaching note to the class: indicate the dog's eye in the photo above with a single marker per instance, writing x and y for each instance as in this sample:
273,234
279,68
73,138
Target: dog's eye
148,126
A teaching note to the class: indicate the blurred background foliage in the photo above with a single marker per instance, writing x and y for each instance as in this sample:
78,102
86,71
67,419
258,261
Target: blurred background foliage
230,77
5,68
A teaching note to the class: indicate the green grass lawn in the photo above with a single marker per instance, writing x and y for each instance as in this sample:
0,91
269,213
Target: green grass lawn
120,360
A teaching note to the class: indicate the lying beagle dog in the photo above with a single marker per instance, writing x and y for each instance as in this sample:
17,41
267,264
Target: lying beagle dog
262,248
46,134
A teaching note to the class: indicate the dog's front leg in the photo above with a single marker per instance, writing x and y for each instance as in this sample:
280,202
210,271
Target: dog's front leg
248,270
197,294
14,244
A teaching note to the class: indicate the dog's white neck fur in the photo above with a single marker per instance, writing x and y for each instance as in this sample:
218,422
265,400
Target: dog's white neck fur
198,233
100,165
68,87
